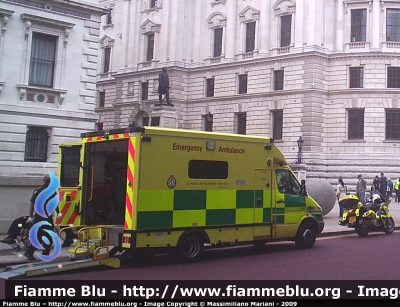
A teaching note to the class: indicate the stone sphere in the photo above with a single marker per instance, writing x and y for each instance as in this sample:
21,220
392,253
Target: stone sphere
322,192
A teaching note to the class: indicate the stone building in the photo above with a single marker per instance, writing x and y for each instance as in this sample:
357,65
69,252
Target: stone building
325,70
48,61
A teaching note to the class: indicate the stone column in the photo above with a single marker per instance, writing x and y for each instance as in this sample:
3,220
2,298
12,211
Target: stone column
298,26
265,26
197,31
125,35
311,26
340,26
231,31
376,25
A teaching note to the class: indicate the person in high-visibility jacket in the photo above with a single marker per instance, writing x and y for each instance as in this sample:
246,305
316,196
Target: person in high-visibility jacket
396,188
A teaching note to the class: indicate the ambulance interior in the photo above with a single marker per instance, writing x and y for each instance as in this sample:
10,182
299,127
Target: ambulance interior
107,177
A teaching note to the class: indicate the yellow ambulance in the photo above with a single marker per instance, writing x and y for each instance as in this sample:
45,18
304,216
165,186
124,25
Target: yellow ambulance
183,191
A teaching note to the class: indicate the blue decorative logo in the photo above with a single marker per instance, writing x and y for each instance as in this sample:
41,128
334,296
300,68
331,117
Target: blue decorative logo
41,234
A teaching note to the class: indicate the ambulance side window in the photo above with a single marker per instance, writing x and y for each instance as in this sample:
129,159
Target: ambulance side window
205,169
287,183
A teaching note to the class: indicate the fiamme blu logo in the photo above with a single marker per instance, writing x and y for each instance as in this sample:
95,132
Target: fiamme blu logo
41,234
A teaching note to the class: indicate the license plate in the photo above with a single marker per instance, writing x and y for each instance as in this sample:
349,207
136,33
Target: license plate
352,219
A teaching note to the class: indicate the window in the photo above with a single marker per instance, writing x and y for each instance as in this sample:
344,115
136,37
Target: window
155,121
208,122
355,124
145,121
42,62
356,77
287,182
278,80
277,128
36,144
218,42
392,124
250,36
145,90
70,166
210,87
393,25
99,127
150,47
153,3
106,59
102,99
286,30
358,25
393,78
205,169
241,123
243,84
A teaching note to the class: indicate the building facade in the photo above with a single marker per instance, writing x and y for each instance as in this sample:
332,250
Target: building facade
325,70
48,55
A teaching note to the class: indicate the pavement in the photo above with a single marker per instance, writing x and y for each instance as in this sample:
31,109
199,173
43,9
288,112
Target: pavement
12,256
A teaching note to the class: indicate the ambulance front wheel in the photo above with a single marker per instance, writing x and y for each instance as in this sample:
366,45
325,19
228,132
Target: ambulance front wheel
190,248
306,235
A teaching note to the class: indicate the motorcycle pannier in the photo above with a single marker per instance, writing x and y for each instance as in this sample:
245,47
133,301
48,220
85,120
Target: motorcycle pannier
348,201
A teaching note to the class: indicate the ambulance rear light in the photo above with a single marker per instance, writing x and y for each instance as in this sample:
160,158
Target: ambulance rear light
126,239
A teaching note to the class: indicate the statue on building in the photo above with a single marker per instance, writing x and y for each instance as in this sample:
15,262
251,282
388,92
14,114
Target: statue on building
163,86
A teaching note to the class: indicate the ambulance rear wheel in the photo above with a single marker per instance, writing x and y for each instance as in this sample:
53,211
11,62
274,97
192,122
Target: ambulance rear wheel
306,235
190,248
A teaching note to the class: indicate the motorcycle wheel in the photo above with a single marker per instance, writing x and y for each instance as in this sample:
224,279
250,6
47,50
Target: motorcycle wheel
362,230
388,225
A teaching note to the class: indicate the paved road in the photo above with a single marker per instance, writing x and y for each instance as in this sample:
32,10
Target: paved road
9,256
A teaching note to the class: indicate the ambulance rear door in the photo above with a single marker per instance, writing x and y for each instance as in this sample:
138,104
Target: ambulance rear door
70,172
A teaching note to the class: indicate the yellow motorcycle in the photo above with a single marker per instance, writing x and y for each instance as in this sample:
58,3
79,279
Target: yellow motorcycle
373,216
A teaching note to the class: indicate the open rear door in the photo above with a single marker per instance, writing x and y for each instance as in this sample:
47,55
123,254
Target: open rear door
71,172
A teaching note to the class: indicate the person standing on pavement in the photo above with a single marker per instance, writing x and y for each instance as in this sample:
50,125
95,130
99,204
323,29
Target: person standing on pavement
361,188
375,183
340,192
383,185
389,188
396,188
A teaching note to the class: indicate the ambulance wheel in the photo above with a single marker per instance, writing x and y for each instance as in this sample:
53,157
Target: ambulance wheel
190,248
362,230
306,235
388,225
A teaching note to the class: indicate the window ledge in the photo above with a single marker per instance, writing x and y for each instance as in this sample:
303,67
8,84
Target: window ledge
355,141
215,2
111,25
153,9
41,94
359,46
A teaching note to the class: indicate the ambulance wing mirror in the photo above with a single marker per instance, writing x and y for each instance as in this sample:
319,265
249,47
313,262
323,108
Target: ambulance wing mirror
303,187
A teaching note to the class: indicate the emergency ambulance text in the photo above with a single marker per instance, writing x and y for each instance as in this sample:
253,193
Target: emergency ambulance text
187,148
